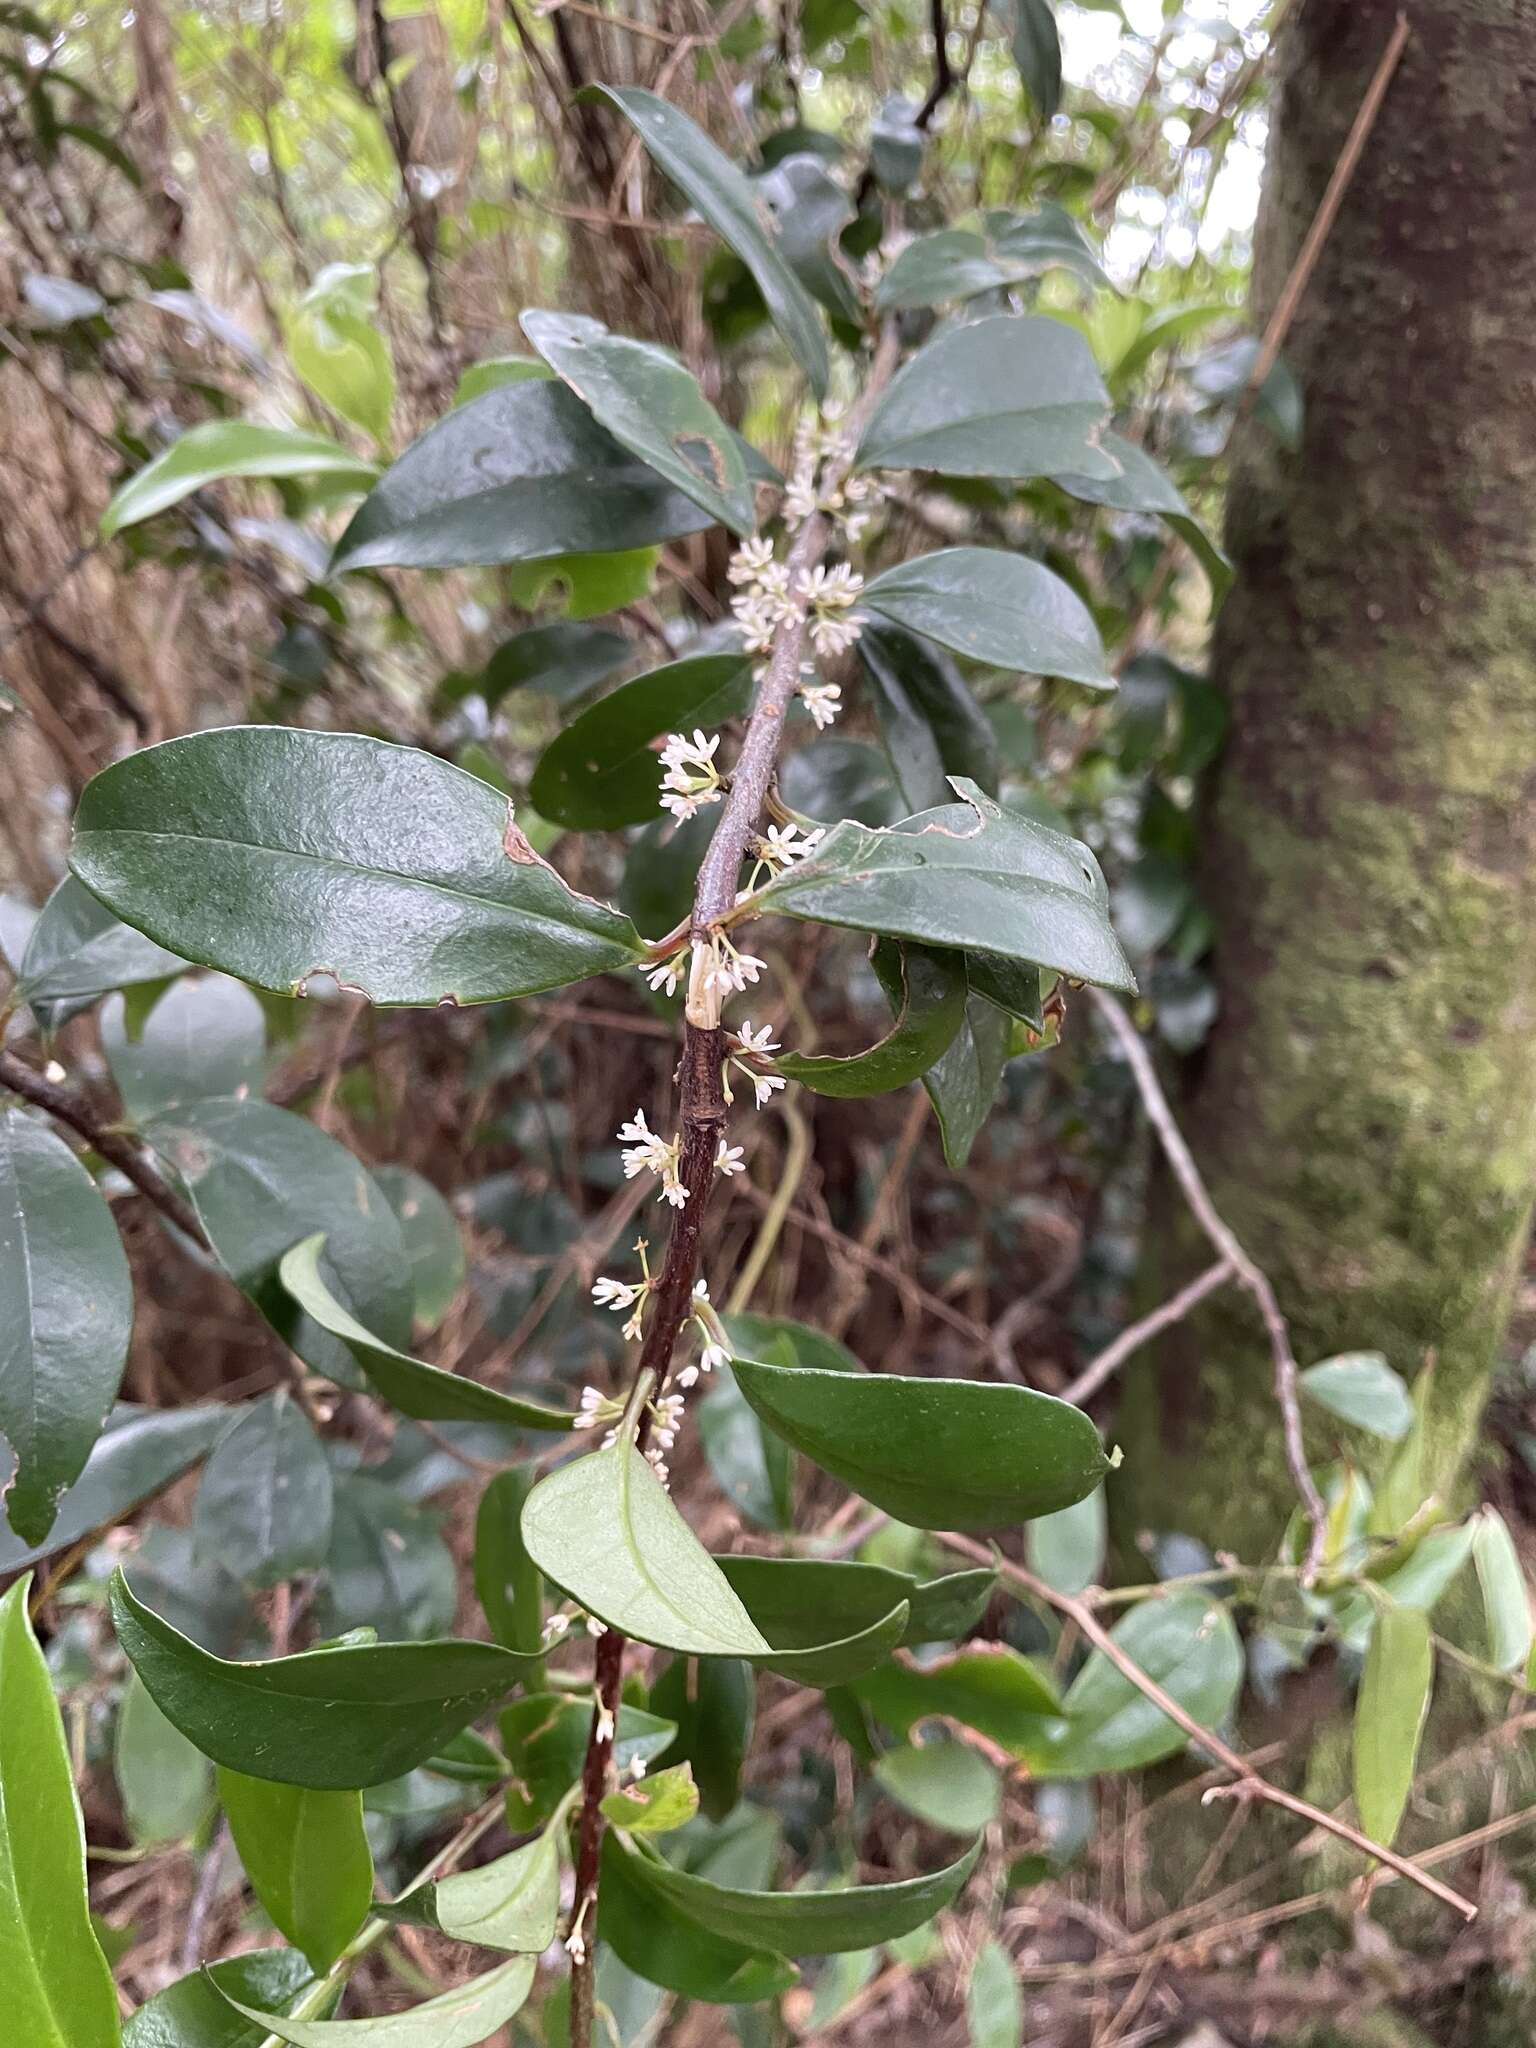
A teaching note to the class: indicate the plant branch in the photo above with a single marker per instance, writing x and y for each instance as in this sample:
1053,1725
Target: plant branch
1167,1313
1247,1782
1248,1275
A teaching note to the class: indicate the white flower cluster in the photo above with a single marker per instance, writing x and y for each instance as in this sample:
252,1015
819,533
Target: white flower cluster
631,1295
823,701
817,482
647,1153
782,845
755,1045
763,600
829,596
766,597
690,779
719,968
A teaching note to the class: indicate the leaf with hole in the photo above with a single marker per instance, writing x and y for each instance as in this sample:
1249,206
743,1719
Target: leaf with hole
307,1857
425,1392
656,1804
282,855
936,1453
724,197
334,1720
230,448
604,769
1389,1717
263,1509
66,1313
460,2018
58,1989
929,998
1005,610
516,474
652,406
512,1903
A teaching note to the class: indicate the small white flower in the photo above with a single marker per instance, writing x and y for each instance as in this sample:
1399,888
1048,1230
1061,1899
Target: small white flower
750,560
668,974
603,1729
835,635
823,700
701,1290
713,1355
690,778
729,1159
595,1627
759,1040
689,1376
637,1768
667,1417
576,1945
782,845
832,589
764,1087
554,1629
658,1465
615,1294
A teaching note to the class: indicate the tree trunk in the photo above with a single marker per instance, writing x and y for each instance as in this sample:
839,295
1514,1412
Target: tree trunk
1365,1108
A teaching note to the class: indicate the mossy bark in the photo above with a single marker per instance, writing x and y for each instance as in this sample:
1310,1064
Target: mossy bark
1365,1108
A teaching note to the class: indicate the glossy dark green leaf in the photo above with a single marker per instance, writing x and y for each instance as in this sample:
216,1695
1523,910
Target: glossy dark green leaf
1142,486
282,855
783,1341
750,1466
970,874
1037,52
724,197
512,1903
508,1583
545,1738
460,2018
1360,1387
993,1690
943,1783
1014,395
264,1506
1012,985
260,1178
78,951
1008,249
667,1947
807,1923
388,1568
66,1313
432,1241
1067,1549
1506,1602
166,1786
655,1805
205,1036
1188,1644
814,1644
603,770
516,474
962,1083
423,1391
652,406
931,724
564,660
191,2014
307,1857
1389,1717
938,1454
810,210
225,448
58,1990
929,1000
334,1720
1005,610
140,1451
947,1607
604,1529
713,1701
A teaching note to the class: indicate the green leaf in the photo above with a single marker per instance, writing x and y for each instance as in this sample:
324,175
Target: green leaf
935,1453
994,2008
58,1990
993,1690
962,1083
432,1241
205,1036
66,1313
282,855
1014,395
1037,52
604,1530
724,197
1360,1387
929,998
663,1945
655,1805
652,406
961,263
931,724
810,211
260,1178
508,1584
1408,1484
751,1468
78,951
388,1568
512,1903
805,1647
264,1506
562,661
1005,610
337,347
603,770
334,1720
1389,1717
1067,1549
1186,1643
423,1391
307,1857
807,1923
969,874
1142,486
224,448
1506,1604
518,473
545,1739
713,1701
943,1783
782,1341
584,586
457,2019
191,2014
495,372
166,1786
140,1451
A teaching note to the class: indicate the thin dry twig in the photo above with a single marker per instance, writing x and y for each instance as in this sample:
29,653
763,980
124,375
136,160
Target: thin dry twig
1130,1340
